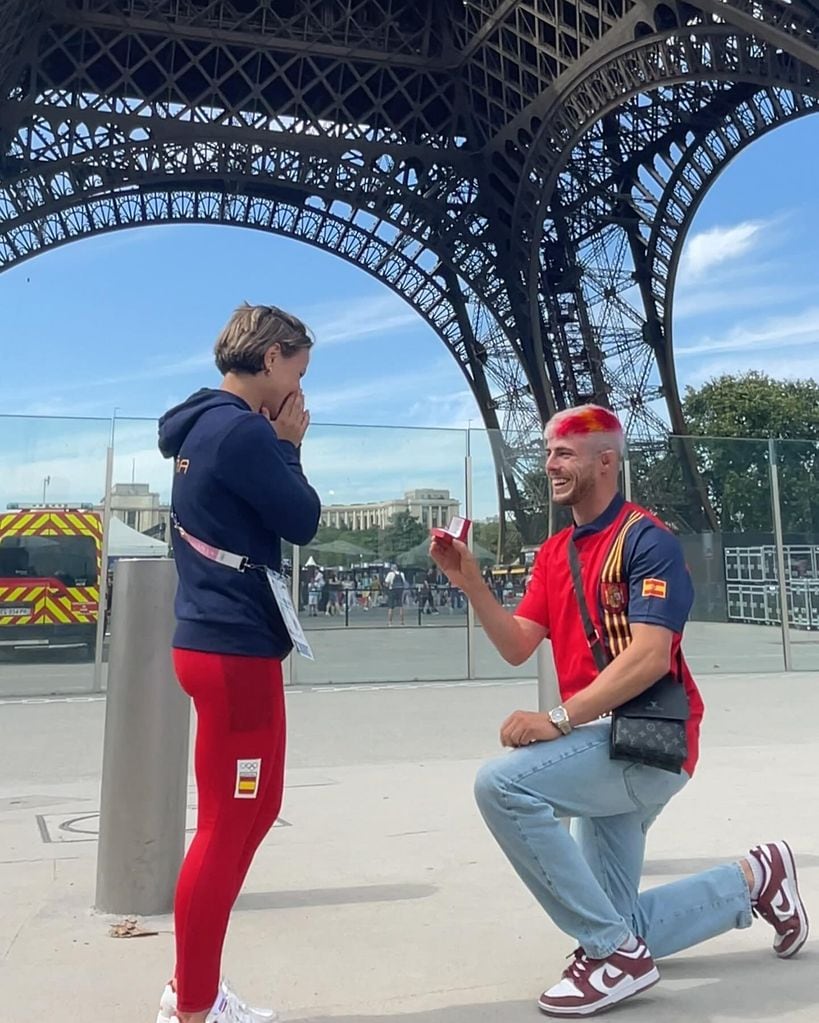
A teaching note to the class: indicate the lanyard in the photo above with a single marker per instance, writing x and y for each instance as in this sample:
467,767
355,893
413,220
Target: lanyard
239,562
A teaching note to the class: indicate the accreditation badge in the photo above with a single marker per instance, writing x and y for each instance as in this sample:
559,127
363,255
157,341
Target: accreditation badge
281,593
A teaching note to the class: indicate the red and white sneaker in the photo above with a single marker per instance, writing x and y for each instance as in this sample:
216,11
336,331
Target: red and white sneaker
589,986
779,901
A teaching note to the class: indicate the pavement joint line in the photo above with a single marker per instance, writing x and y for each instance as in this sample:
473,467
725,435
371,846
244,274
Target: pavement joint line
295,690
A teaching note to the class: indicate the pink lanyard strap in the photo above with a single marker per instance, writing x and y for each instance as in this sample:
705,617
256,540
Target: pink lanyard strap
236,561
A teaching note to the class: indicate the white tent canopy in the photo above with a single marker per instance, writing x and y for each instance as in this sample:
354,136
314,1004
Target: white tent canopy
124,542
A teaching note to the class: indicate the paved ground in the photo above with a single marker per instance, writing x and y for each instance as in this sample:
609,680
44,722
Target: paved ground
384,899
371,652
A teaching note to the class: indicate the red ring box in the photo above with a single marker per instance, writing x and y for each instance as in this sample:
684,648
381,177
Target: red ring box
458,529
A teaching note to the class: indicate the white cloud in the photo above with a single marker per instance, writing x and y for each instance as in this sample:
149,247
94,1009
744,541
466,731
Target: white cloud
691,302
694,374
71,455
382,393
779,332
358,318
332,323
454,410
707,249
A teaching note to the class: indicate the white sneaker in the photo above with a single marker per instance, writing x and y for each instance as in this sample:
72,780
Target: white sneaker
167,1006
228,1008
245,1013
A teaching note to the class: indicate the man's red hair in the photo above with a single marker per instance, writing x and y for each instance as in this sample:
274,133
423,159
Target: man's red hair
583,420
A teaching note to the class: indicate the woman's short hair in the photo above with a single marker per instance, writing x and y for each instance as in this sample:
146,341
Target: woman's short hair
251,331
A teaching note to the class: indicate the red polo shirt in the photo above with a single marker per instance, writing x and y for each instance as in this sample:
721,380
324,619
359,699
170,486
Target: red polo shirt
633,570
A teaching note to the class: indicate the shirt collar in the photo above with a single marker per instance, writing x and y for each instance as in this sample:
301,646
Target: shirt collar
602,521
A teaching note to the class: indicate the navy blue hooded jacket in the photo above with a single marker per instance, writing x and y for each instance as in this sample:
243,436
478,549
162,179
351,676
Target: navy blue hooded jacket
238,487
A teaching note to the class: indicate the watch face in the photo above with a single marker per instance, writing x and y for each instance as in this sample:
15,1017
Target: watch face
559,715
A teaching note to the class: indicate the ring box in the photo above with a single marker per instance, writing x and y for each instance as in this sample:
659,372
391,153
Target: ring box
458,529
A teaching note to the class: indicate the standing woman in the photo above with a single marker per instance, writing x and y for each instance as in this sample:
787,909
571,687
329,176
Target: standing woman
239,490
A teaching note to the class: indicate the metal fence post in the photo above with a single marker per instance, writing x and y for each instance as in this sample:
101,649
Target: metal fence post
784,611
145,759
470,612
627,476
548,693
103,579
291,664
548,689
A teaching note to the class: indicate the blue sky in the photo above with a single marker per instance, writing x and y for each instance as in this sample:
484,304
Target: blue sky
748,291
127,321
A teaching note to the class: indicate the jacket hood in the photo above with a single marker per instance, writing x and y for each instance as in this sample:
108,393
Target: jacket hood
178,422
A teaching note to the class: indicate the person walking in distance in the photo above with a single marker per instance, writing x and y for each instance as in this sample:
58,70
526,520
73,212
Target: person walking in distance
396,584
238,491
612,593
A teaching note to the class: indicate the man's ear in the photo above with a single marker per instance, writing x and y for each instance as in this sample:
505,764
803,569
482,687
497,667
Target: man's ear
609,459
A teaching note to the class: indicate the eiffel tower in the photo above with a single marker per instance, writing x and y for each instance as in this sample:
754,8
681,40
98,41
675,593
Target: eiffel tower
522,172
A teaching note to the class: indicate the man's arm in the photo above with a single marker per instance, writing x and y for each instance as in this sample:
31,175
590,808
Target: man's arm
646,659
515,638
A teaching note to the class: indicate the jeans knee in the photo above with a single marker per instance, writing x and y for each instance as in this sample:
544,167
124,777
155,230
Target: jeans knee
490,787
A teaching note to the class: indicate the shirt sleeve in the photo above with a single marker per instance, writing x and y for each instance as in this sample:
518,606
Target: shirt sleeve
266,473
534,606
660,587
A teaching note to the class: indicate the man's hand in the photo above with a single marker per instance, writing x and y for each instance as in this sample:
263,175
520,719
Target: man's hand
292,420
524,727
457,563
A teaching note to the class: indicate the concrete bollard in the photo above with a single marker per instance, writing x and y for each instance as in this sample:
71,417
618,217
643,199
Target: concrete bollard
145,759
548,694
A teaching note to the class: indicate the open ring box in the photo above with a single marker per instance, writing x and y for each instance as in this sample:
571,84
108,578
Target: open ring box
458,529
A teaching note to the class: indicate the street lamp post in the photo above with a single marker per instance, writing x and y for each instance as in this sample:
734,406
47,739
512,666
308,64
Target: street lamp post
46,482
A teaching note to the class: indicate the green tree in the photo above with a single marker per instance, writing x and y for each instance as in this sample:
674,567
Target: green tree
486,534
402,534
735,415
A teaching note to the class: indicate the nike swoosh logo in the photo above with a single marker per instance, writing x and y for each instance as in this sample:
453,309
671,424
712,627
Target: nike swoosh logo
612,979
606,978
784,904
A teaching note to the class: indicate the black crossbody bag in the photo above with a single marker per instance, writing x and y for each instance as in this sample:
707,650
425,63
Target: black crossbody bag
650,728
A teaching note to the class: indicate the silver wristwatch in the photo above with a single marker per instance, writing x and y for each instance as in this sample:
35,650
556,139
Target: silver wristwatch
560,719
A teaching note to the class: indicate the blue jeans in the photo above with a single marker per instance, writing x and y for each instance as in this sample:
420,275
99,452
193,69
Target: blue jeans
588,881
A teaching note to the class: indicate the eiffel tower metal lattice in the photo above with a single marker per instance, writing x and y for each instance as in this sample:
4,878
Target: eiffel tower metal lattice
522,172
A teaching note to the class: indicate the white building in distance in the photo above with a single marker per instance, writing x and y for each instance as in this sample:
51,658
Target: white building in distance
139,507
430,507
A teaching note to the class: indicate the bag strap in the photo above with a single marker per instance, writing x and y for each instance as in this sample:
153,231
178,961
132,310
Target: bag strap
592,635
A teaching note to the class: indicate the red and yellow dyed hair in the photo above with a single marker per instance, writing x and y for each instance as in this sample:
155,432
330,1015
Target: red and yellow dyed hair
584,420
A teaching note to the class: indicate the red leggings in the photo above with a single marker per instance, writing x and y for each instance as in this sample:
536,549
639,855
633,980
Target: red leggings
239,761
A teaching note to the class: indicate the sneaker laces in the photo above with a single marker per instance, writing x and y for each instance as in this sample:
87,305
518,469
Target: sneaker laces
577,969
